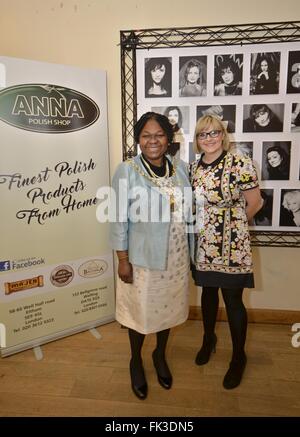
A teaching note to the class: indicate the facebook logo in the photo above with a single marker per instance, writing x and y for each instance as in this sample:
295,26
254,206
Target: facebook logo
4,266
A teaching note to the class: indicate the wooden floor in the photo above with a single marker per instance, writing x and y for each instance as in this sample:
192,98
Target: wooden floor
83,376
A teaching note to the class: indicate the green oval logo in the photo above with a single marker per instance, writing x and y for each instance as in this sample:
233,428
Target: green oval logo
47,108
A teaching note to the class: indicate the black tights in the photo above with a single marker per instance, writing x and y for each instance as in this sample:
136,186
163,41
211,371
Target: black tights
236,314
136,342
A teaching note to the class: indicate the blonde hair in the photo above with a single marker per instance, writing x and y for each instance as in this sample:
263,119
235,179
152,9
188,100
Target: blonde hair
289,196
215,123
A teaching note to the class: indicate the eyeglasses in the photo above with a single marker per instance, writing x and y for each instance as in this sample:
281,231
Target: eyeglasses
211,134
155,137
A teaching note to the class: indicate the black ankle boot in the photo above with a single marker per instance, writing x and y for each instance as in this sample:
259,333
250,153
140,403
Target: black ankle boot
235,372
164,376
208,346
140,389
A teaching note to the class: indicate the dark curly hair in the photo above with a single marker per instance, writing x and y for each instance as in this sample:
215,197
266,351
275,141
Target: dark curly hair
162,120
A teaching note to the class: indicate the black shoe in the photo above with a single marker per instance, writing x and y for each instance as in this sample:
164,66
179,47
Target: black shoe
235,372
208,346
140,390
167,380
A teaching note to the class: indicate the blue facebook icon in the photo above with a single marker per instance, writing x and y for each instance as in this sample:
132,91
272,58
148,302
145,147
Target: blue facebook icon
4,265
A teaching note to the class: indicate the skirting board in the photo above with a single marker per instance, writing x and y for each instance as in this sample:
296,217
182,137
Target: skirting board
283,317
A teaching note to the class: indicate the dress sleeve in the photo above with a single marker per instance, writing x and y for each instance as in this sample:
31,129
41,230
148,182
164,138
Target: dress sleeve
246,174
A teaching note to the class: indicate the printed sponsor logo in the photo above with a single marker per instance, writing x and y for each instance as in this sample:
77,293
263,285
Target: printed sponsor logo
23,284
47,108
24,263
4,266
62,276
92,268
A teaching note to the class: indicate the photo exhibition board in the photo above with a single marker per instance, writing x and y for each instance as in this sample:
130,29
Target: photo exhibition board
255,89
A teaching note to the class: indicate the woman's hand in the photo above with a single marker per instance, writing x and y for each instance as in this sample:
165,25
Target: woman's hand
125,271
263,73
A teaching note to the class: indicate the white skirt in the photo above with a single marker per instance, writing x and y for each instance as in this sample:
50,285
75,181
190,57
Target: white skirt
157,299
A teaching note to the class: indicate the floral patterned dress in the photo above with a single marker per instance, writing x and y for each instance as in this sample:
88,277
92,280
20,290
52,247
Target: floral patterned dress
222,251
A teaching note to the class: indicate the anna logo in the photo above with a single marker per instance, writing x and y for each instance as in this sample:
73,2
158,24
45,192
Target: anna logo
47,108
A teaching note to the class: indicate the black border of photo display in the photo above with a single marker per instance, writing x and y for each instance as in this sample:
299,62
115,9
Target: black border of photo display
200,37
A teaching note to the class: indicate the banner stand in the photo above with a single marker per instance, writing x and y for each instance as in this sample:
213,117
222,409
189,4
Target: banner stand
56,264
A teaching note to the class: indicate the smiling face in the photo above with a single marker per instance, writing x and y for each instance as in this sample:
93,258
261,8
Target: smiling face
293,204
153,142
212,147
193,75
158,73
227,76
274,158
262,117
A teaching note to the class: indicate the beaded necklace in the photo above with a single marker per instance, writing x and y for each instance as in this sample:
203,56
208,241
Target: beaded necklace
156,180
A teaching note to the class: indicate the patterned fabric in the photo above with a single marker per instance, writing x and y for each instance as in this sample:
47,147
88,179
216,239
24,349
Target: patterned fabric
157,299
224,244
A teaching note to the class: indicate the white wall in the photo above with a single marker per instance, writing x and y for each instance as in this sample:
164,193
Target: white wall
85,33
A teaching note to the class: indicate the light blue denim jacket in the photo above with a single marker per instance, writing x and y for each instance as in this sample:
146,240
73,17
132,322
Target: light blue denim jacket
147,242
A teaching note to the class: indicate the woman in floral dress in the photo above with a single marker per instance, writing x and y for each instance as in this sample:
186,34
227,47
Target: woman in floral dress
227,197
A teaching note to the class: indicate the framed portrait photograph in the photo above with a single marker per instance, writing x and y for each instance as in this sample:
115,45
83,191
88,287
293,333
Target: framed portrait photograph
193,155
290,207
228,75
158,77
293,73
263,117
179,117
295,117
265,73
192,76
243,148
225,112
265,215
276,157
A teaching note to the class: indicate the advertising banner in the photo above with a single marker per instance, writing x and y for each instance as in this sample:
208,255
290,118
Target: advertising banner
56,272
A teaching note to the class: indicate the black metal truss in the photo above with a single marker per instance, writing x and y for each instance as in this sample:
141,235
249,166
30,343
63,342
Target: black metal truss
210,35
275,238
240,34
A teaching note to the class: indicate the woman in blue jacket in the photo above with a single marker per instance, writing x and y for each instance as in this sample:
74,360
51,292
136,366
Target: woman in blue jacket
150,239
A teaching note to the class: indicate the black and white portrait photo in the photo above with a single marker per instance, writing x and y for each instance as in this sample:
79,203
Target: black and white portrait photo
290,207
228,75
179,118
265,73
262,117
242,148
276,157
158,77
192,155
264,216
192,76
295,117
225,112
293,74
